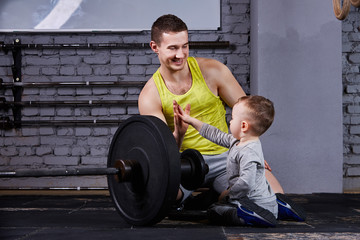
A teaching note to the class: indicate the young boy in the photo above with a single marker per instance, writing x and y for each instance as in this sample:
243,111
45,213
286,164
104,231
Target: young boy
249,199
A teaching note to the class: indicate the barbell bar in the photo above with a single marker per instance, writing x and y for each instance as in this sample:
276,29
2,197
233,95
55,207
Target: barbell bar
144,170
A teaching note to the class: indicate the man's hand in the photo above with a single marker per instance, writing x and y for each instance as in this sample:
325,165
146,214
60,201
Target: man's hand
180,127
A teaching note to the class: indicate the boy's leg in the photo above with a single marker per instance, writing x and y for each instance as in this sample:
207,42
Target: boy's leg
288,209
253,214
243,212
224,214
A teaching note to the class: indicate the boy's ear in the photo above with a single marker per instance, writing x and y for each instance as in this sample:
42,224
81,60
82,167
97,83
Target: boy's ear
154,47
244,126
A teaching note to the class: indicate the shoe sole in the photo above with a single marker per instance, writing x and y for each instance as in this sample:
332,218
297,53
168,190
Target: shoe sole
255,215
291,209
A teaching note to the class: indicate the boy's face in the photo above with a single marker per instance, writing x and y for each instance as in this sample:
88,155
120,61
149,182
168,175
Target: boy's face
173,50
239,114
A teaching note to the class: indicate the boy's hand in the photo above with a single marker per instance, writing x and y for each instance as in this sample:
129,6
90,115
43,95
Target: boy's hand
223,195
184,116
267,166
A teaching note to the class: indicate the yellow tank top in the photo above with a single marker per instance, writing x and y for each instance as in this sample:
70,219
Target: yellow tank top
205,106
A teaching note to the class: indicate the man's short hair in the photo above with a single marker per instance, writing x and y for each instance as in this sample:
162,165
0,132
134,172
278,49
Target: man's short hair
261,112
166,23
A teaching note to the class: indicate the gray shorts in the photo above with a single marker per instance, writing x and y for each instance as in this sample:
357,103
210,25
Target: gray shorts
216,178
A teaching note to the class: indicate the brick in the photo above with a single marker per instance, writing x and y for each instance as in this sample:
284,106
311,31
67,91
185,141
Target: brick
61,160
50,51
353,109
115,60
97,141
138,60
68,39
354,58
47,112
41,151
134,70
55,140
100,58
354,129
117,110
99,151
70,60
356,149
83,91
236,60
85,52
30,111
45,60
96,111
65,132
119,70
61,151
354,37
355,120
26,151
93,160
84,70
26,141
67,52
100,131
32,70
79,151
118,91
67,70
64,112
29,131
353,89
133,110
50,70
82,131
100,91
28,161
9,151
101,70
351,159
353,171
66,91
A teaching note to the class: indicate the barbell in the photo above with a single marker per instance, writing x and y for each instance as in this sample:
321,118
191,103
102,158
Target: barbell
144,170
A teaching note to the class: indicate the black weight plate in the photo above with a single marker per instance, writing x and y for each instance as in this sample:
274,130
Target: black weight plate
199,169
147,197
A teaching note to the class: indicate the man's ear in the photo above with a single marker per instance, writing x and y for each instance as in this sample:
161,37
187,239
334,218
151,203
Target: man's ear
154,47
244,126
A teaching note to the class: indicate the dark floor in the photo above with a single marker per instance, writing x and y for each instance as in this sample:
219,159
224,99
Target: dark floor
330,216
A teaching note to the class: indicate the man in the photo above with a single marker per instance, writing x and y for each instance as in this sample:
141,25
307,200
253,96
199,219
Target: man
205,84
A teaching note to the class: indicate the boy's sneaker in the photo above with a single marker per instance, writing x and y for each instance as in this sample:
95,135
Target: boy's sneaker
224,214
253,214
288,210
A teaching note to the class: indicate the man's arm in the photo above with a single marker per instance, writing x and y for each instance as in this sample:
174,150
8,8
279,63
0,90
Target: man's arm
149,103
220,80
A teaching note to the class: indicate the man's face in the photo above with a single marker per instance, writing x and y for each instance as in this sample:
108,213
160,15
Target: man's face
173,50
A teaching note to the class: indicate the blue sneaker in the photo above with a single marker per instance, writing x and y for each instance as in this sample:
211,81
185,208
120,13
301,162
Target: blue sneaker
288,210
253,214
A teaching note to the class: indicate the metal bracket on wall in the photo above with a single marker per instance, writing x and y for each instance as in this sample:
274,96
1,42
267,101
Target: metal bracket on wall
18,86
17,90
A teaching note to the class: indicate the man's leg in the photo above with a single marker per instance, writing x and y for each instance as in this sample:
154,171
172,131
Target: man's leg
274,183
287,208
